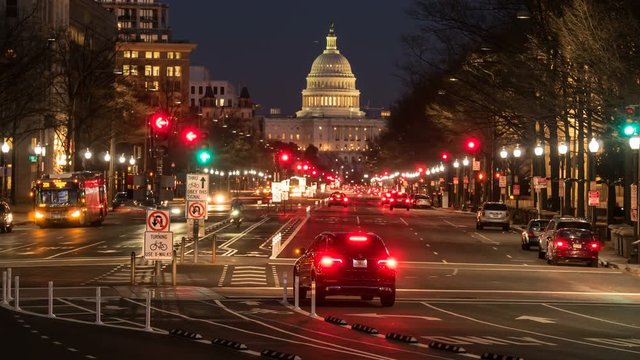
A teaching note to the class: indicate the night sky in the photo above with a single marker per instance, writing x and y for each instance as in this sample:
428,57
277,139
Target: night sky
269,45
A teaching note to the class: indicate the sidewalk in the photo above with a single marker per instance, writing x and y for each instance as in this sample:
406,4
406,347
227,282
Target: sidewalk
606,258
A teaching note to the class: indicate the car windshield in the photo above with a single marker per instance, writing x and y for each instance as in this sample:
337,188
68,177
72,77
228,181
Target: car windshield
496,207
574,225
353,245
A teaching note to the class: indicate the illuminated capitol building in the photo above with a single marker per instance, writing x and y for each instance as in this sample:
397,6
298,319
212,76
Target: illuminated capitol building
330,118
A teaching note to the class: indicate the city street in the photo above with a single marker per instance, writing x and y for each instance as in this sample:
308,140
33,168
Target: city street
456,285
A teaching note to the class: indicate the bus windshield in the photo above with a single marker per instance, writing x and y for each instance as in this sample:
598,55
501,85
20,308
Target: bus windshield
57,197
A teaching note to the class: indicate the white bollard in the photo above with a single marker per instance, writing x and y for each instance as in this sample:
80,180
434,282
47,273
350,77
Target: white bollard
147,325
98,302
17,299
5,301
296,290
9,284
50,313
284,289
313,299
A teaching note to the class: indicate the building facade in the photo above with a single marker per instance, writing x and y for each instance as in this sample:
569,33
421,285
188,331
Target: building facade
213,99
330,117
140,20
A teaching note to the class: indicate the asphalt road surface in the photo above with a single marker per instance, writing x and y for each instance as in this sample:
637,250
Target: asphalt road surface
470,292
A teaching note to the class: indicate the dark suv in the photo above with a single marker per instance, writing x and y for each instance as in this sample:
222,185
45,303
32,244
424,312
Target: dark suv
343,263
557,224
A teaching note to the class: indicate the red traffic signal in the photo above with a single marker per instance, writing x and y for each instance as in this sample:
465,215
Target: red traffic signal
284,157
471,144
444,156
160,121
190,136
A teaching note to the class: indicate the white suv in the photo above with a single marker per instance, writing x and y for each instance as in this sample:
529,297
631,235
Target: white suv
493,214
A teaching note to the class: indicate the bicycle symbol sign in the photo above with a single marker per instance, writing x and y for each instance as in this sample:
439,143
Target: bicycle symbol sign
158,245
157,220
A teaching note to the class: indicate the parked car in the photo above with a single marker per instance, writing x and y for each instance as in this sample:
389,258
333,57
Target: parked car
400,200
531,234
119,199
421,201
571,244
6,217
338,198
493,214
556,224
345,263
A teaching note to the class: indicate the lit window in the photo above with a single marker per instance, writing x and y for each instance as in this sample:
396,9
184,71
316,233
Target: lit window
127,54
169,71
297,136
178,55
134,70
126,70
134,54
284,136
177,71
148,70
156,54
269,136
170,55
148,55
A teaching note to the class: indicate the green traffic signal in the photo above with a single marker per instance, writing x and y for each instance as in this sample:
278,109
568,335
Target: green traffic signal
204,157
630,129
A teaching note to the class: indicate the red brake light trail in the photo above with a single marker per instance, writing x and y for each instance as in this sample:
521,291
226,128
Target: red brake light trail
357,238
390,263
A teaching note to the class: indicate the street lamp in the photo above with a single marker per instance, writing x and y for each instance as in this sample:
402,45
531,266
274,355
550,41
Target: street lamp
594,146
562,150
538,152
5,149
107,156
634,143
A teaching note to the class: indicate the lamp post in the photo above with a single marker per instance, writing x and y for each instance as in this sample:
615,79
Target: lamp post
503,155
538,151
465,164
456,165
634,143
87,156
594,147
517,153
5,149
562,150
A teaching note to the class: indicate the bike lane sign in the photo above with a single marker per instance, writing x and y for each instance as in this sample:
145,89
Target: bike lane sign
158,245
158,220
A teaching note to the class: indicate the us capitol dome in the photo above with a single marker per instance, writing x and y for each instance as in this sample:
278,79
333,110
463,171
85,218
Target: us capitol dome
331,86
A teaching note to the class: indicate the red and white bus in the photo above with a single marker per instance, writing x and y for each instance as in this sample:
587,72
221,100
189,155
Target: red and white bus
76,198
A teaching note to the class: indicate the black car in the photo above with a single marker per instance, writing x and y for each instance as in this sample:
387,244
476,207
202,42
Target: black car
6,217
344,263
338,198
119,199
400,200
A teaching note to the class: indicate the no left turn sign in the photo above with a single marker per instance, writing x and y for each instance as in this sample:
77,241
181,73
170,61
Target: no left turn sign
157,220
197,210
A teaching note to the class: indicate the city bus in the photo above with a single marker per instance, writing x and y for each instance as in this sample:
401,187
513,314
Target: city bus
76,198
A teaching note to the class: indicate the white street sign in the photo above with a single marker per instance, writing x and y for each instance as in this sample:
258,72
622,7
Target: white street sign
158,220
503,181
196,209
537,319
197,187
275,192
158,245
634,202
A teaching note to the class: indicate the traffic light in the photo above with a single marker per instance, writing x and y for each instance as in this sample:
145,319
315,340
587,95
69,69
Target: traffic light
284,157
445,156
471,144
629,122
204,156
191,136
160,122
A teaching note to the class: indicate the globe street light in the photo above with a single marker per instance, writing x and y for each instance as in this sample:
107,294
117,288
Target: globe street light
562,150
538,150
122,159
517,152
504,153
132,161
38,149
5,149
87,154
107,156
594,146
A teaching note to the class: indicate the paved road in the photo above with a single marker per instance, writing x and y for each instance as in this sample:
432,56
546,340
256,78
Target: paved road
456,285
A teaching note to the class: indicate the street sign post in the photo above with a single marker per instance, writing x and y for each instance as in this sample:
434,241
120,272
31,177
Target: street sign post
158,245
197,187
191,226
594,198
196,209
158,220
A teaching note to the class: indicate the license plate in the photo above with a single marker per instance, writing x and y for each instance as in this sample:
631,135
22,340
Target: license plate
359,263
577,246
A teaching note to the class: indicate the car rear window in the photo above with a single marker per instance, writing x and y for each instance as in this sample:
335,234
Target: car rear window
498,207
574,225
421,197
372,246
539,224
575,233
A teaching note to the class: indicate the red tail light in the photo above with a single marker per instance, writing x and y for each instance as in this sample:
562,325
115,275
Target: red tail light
530,233
328,261
390,263
594,246
358,238
561,244
407,201
345,199
392,200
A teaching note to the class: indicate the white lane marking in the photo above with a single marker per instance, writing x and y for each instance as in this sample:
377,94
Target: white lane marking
16,248
428,245
486,239
526,331
435,253
591,317
224,273
325,345
444,261
226,244
454,225
358,220
74,250
406,223
421,239
415,233
509,256
495,248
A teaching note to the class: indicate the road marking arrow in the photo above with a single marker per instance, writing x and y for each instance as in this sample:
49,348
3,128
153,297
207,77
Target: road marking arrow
375,315
537,319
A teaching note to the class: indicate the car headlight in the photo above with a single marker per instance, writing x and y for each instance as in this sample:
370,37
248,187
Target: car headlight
75,214
235,213
175,211
9,217
39,215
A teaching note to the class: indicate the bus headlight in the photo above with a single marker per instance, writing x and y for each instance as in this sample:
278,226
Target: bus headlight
39,215
75,214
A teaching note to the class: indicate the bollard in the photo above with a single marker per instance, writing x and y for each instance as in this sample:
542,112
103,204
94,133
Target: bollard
157,273
313,299
173,269
133,268
17,299
296,291
98,301
9,298
147,322
182,244
284,289
5,301
50,311
213,248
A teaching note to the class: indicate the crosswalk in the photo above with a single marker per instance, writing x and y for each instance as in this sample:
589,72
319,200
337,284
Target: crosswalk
249,275
121,274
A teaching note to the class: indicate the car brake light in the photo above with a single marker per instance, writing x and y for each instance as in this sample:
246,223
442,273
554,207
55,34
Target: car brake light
345,199
328,261
407,201
357,238
390,263
560,244
530,233
391,200
594,246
